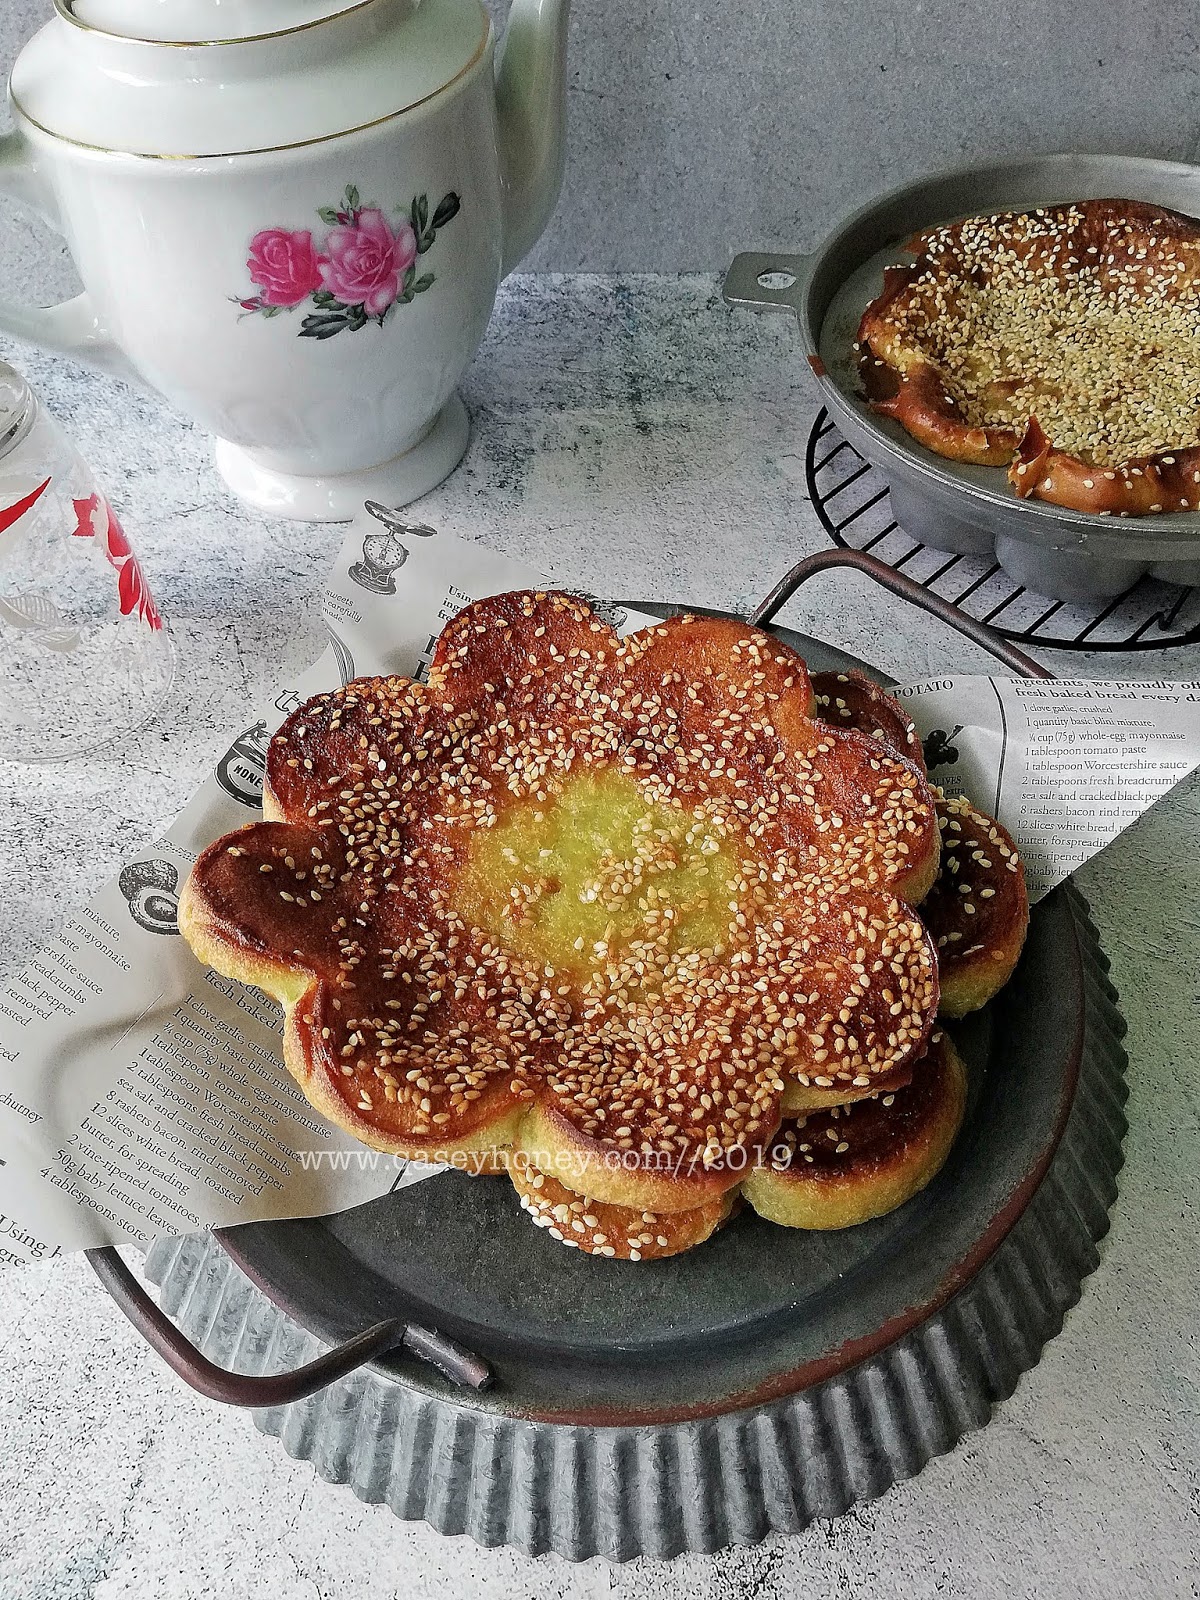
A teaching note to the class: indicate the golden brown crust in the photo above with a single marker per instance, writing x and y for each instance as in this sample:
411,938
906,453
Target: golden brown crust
803,1097
426,1029
978,909
1141,486
229,913
978,912
620,1232
1063,344
837,1168
852,700
676,1179
913,392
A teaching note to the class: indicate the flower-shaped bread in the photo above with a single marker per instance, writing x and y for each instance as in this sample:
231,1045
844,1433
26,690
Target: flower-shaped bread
597,901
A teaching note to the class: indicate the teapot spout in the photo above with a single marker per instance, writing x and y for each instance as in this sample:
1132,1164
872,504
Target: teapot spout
531,108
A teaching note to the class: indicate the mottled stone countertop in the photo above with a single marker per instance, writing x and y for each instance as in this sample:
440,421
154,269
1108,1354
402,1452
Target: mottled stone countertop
630,434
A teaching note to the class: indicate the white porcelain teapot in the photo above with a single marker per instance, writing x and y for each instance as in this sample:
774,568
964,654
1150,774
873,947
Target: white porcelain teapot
291,218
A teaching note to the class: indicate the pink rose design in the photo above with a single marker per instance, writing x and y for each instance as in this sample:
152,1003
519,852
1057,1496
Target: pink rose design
406,247
363,262
284,266
356,273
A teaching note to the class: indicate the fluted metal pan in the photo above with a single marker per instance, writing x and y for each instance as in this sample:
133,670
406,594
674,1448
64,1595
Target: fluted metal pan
764,1379
699,1485
1068,555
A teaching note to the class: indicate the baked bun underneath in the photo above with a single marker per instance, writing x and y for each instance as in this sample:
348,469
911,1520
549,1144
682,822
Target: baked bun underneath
852,700
607,1230
978,908
801,1098
836,1168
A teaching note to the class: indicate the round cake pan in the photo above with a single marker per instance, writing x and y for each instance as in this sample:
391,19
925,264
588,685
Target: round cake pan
766,1378
1067,555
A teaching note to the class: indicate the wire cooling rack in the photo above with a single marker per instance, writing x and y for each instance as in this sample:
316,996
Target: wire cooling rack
851,498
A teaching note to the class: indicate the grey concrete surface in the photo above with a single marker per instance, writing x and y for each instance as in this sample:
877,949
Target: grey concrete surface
633,435
699,129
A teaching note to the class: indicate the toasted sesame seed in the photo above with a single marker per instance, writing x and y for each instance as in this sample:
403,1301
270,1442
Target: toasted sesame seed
647,1036
1109,335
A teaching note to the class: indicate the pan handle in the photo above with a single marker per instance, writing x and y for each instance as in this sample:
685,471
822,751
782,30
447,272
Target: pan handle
1024,666
767,281
277,1389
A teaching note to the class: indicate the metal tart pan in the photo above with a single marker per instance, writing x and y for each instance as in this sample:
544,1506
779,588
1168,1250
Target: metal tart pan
762,1380
1067,555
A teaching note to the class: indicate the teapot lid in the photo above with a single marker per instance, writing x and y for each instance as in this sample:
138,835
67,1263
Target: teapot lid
177,79
200,21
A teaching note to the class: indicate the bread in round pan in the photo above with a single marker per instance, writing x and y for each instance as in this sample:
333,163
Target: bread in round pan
621,1232
1059,343
836,1168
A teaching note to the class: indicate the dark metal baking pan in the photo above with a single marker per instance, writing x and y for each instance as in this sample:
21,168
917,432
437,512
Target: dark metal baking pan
756,1313
746,1387
1067,555
699,1485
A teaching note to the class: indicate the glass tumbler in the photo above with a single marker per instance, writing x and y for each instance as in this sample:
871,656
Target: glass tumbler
85,657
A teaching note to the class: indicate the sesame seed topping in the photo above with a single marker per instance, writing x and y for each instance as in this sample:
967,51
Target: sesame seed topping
1083,318
633,881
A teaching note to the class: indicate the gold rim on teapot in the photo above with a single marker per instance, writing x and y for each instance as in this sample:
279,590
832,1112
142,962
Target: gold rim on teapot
66,10
259,150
